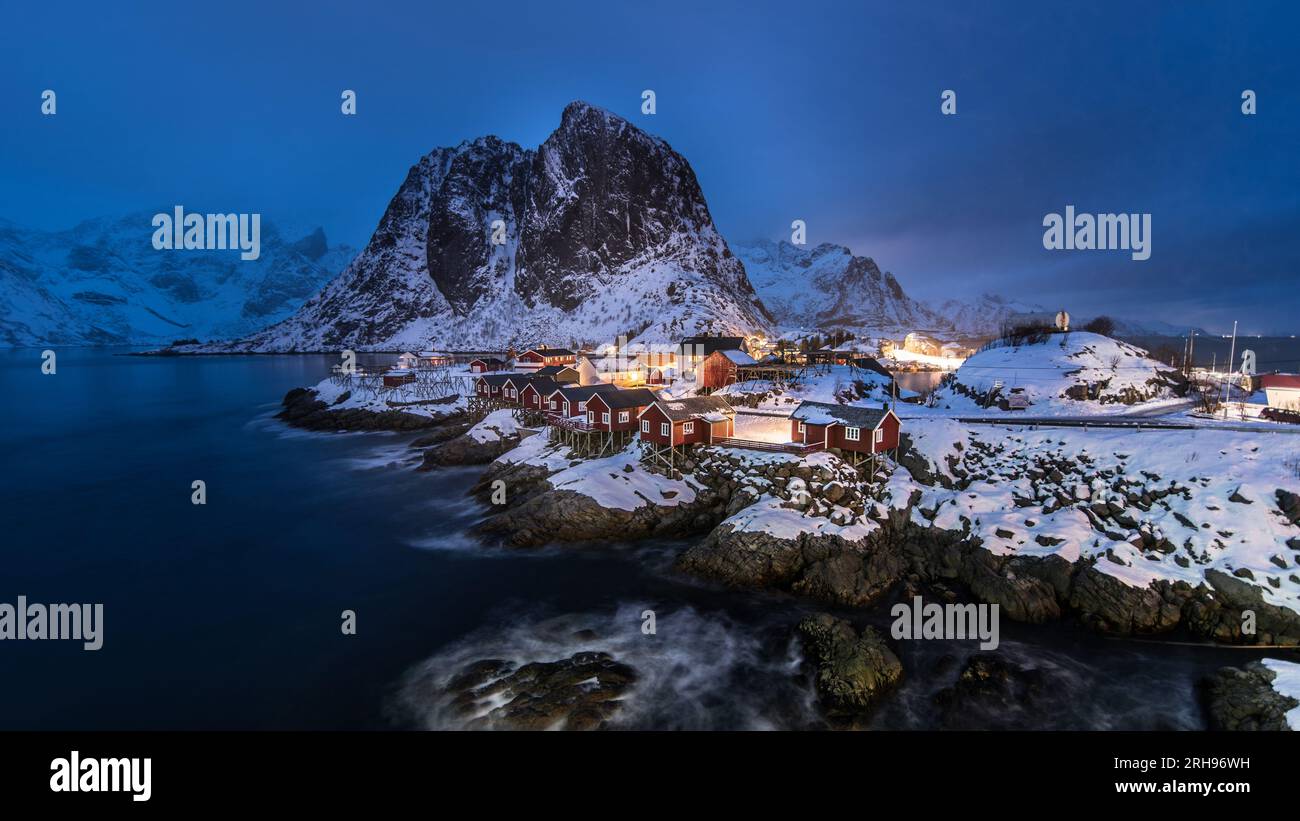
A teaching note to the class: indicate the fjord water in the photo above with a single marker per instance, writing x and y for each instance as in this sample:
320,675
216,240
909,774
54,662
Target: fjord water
227,615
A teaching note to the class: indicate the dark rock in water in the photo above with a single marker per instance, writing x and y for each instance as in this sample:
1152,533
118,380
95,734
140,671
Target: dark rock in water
567,516
990,693
304,409
1244,699
581,692
852,671
466,450
439,435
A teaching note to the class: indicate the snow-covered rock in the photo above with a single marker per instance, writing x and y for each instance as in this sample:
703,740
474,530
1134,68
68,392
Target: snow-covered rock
1068,373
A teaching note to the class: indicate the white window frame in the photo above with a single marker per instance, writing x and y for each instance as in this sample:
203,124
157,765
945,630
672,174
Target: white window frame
688,428
624,416
878,435
604,418
645,425
582,407
665,429
853,434
555,405
803,427
591,417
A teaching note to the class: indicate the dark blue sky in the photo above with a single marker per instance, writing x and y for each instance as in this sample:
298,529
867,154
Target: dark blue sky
825,112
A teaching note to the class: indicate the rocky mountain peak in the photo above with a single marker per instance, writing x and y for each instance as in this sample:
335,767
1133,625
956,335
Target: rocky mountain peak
600,230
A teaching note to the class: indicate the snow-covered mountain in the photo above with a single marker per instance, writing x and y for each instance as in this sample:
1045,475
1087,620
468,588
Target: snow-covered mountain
103,283
604,231
827,286
982,316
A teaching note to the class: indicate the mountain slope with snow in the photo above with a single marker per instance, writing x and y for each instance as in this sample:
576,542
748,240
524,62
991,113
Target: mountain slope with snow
103,283
828,287
603,231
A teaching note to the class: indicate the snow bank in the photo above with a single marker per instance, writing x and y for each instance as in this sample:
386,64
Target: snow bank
1288,684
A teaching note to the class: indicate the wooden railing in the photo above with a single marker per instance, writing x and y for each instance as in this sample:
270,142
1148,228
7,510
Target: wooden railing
797,448
570,424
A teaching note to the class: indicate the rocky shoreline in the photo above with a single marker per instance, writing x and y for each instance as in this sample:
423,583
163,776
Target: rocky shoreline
864,555
304,409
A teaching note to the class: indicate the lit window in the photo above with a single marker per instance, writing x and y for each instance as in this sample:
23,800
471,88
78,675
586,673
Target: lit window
853,434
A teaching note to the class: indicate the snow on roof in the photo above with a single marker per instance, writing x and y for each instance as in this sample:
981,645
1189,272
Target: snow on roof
739,357
635,398
692,407
824,413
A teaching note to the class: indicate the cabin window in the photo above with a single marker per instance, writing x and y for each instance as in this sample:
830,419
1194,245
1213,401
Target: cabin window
688,427
879,436
555,405
604,418
582,407
803,428
853,434
664,430
591,417
645,425
623,416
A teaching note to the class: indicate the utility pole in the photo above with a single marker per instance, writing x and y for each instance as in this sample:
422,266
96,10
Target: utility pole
1232,355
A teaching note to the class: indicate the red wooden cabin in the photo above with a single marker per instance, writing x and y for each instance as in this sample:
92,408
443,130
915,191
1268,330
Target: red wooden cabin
695,420
720,368
533,393
541,357
571,400
849,428
486,365
617,410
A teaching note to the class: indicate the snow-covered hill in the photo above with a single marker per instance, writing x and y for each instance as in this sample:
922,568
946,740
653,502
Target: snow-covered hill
828,287
103,283
1061,374
605,232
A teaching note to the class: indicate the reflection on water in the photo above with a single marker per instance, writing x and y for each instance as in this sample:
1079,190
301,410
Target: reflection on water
918,381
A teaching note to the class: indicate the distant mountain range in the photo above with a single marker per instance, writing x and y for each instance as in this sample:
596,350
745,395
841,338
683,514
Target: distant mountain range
824,286
602,230
103,283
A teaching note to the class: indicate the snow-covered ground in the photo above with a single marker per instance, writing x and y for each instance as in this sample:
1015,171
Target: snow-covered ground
1288,684
1173,504
330,391
837,384
762,427
497,425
